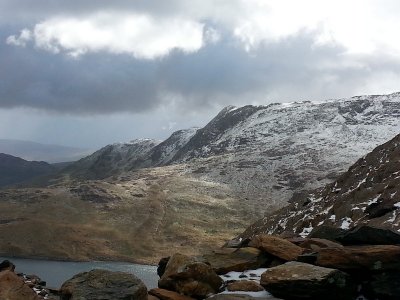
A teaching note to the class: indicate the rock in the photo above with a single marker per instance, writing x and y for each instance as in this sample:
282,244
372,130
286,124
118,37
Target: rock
295,280
227,260
103,284
378,257
13,287
314,244
327,232
168,295
161,266
188,277
245,286
150,297
386,285
276,246
308,258
7,265
369,235
295,240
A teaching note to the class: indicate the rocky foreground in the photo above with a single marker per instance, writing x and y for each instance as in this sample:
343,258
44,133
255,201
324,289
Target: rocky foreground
360,263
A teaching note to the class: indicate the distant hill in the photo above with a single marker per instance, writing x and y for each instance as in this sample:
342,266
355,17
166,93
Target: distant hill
41,152
14,170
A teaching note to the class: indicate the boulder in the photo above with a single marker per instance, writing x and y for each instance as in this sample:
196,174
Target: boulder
7,265
327,232
295,280
168,295
102,285
244,286
276,246
314,244
239,260
378,257
189,277
369,235
236,243
13,287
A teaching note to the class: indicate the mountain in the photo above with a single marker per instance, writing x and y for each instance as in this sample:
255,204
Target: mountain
268,153
111,159
142,200
14,170
368,193
41,152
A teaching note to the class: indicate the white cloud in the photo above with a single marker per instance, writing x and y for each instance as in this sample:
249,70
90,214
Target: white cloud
21,40
139,35
151,29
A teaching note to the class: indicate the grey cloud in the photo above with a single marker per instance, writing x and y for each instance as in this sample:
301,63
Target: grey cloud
217,75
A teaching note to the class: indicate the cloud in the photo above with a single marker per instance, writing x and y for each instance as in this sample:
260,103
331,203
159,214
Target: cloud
97,57
138,35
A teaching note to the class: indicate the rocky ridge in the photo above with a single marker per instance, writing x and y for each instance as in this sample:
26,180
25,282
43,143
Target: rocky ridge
368,193
293,147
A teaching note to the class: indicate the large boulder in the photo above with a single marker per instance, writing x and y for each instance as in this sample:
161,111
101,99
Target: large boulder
102,285
276,246
189,277
369,235
377,257
13,287
295,280
327,232
239,260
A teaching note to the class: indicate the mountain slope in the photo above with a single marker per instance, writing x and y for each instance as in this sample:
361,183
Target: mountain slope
14,170
111,159
368,193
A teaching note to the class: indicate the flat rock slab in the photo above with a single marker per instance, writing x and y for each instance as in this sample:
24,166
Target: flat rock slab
295,280
239,260
378,257
103,285
168,295
276,246
13,287
314,244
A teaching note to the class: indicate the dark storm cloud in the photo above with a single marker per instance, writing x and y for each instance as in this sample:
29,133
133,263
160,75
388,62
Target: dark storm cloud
218,74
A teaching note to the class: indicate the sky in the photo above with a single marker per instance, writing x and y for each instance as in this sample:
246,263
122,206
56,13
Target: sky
92,72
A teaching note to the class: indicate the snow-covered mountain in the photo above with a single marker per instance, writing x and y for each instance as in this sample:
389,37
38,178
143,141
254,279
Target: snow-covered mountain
267,153
111,159
368,193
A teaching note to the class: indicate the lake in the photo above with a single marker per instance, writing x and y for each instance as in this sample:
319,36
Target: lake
56,272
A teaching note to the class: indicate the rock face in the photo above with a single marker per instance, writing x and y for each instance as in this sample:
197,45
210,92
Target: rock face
13,287
188,277
276,246
295,280
367,194
102,285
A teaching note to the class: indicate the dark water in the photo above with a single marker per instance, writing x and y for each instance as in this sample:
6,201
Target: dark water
56,272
